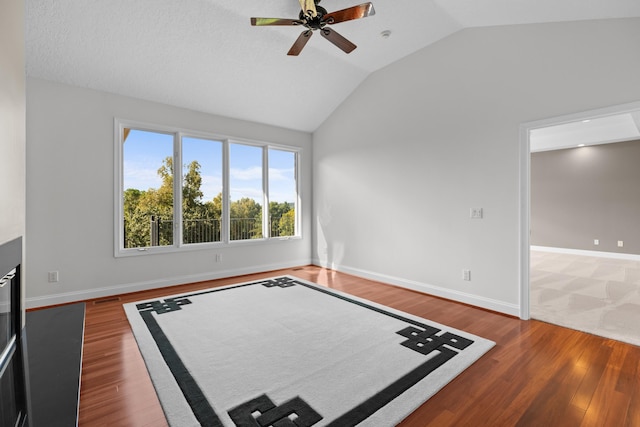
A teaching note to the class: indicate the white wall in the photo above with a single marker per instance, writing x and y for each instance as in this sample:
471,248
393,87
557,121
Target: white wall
398,166
70,201
12,120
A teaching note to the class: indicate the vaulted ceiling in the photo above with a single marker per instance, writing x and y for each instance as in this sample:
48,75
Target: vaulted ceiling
204,55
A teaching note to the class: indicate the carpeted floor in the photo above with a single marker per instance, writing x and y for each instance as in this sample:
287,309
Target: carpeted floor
591,294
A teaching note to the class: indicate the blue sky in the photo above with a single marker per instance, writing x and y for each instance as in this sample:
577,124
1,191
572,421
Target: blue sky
145,151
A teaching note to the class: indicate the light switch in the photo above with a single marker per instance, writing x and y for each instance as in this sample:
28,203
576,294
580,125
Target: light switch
475,213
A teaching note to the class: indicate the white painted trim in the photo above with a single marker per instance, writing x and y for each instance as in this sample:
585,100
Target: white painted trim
118,171
583,252
525,223
225,227
487,303
266,230
177,190
584,115
106,291
525,180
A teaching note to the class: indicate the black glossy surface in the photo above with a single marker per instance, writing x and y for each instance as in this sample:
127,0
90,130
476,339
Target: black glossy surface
54,341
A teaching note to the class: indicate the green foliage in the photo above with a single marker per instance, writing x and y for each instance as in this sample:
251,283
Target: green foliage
148,215
191,194
282,219
245,219
136,233
245,208
287,224
276,210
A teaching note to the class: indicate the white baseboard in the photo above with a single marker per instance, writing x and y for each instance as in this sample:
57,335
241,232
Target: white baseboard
615,255
68,297
487,303
86,294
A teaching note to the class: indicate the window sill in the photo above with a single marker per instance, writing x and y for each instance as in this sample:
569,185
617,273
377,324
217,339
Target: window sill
124,253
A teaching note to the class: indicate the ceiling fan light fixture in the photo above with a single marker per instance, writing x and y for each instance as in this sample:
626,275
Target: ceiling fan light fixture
314,17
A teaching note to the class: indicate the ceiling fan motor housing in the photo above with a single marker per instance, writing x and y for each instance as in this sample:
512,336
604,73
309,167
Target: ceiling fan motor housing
314,22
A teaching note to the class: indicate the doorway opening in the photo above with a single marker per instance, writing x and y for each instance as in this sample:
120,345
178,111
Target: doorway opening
565,199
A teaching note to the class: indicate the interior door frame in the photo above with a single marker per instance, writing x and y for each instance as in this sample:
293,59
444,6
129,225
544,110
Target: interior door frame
525,186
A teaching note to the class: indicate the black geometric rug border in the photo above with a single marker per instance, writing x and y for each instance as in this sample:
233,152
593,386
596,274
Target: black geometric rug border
261,411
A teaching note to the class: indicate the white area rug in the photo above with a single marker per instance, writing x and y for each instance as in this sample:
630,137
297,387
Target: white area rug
597,295
287,352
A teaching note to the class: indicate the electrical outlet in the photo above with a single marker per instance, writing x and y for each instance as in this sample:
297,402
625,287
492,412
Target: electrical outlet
620,243
466,275
54,277
596,242
218,257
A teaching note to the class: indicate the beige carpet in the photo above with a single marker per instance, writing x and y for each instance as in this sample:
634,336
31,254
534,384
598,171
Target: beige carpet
592,294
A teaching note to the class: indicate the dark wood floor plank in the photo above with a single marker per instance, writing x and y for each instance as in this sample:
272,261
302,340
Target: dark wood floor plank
608,406
595,363
629,378
633,411
538,374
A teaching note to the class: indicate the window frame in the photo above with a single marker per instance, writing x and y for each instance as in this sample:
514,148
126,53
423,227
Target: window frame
225,238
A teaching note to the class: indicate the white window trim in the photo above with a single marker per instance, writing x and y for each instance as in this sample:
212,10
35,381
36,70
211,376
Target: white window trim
225,240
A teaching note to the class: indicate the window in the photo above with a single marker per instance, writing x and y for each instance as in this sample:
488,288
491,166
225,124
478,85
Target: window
282,193
148,188
201,190
183,190
246,191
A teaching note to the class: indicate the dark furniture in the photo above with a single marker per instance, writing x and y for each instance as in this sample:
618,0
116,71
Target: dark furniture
56,336
14,404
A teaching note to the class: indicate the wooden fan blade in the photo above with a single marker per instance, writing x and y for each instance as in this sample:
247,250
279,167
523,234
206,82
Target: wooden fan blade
300,43
274,21
338,40
356,12
308,8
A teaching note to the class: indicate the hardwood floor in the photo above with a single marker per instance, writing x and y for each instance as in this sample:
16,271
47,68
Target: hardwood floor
538,374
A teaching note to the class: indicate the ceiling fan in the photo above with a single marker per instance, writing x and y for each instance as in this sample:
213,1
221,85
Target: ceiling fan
314,17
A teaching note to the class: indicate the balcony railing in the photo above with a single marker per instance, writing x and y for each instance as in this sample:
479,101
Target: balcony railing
203,230
200,230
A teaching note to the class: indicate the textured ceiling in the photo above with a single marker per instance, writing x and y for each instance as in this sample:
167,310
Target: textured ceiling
204,55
